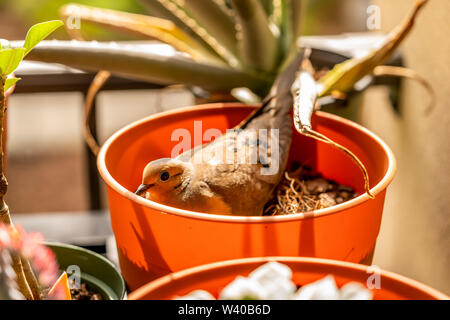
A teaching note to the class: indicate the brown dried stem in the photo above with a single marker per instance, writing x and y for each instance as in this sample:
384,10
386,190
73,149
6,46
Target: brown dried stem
96,85
307,131
5,216
382,71
305,95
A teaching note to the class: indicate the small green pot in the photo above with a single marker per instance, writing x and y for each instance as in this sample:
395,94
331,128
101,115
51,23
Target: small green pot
96,271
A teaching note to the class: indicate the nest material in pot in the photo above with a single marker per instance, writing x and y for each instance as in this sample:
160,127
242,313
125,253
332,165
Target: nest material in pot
303,190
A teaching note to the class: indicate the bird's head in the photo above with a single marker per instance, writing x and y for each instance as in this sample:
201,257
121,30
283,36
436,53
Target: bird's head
162,178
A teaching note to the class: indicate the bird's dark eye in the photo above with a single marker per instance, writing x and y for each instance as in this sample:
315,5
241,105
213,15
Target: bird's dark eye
164,176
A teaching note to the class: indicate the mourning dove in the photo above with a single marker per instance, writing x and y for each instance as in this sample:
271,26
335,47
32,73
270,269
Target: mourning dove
237,172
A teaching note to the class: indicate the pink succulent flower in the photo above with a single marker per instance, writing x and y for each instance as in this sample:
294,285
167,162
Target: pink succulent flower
30,246
5,238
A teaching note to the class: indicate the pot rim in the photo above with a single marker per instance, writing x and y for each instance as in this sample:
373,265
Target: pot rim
107,177
314,261
95,255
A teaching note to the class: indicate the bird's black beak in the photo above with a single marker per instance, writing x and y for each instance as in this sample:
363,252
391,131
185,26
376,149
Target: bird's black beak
142,189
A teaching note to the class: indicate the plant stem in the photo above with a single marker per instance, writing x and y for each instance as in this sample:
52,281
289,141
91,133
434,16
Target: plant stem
25,276
17,266
31,278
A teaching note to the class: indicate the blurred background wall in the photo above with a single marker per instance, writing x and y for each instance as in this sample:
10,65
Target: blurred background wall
415,233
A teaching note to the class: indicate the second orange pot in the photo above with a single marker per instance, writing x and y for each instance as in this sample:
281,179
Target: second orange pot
154,239
214,277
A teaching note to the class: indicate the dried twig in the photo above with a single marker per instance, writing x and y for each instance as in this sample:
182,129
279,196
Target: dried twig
295,195
393,71
305,92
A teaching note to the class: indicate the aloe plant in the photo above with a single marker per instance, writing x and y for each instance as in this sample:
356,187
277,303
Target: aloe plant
229,44
224,41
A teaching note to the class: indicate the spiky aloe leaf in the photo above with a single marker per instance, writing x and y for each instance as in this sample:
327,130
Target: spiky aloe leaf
257,42
157,9
145,64
225,6
181,18
214,19
344,76
286,25
268,6
155,28
292,17
298,10
276,16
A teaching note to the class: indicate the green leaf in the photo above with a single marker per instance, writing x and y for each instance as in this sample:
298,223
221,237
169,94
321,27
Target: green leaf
10,60
258,44
268,6
39,32
10,82
178,15
149,65
213,19
298,8
344,76
151,27
293,13
286,25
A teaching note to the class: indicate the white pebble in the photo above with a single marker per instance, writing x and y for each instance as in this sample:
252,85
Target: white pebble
324,289
270,271
243,289
355,291
273,281
197,295
276,279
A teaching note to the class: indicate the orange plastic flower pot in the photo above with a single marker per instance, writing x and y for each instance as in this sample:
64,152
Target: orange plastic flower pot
214,277
154,239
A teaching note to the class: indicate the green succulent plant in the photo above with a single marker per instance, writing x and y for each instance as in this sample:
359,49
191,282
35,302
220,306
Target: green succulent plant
227,44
